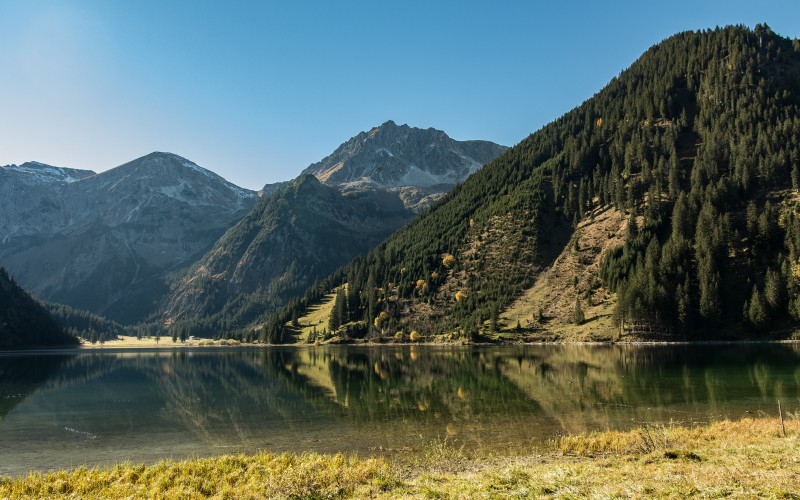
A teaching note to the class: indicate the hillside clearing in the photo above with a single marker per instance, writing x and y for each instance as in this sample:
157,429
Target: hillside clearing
315,319
573,274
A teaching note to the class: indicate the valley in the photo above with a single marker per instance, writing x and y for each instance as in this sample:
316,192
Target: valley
609,307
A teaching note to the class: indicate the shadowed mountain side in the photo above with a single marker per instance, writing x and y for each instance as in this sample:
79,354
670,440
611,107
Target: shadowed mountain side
300,233
104,242
24,322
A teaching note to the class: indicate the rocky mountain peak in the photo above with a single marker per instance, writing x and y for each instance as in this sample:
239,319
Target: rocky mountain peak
391,156
158,162
173,176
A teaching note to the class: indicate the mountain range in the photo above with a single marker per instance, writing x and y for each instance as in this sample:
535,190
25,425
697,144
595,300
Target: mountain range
665,207
148,239
336,209
106,242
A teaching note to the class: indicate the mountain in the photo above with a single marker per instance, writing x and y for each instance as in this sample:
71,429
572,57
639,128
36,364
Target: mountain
420,164
303,231
105,242
24,322
395,156
664,207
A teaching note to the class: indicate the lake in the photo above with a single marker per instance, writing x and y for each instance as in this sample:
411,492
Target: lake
68,408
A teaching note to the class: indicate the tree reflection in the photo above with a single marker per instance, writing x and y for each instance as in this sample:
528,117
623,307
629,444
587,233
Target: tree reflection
362,397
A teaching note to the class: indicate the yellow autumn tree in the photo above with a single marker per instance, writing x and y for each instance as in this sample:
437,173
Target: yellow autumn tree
414,336
795,271
380,319
448,260
460,296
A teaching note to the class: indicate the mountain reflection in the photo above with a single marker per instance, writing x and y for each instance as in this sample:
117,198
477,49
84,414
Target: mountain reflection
195,402
21,375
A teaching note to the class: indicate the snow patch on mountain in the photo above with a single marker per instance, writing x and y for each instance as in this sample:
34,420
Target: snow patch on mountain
40,173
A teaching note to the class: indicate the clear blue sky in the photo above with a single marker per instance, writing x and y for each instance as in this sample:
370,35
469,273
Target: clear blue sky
256,91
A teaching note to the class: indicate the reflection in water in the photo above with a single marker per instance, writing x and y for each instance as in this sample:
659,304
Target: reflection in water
102,407
21,375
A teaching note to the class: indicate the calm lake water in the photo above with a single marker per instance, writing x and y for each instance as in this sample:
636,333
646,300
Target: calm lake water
70,408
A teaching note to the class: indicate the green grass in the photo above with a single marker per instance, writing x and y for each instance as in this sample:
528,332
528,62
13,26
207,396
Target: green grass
742,459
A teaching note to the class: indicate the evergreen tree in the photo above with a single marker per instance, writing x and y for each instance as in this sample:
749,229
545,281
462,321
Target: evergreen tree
577,315
774,291
337,316
757,310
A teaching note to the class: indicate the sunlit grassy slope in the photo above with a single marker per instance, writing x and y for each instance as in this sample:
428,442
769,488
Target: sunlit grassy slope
316,318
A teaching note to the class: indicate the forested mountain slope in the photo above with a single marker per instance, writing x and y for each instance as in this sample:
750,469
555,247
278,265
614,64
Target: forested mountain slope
696,146
24,322
296,235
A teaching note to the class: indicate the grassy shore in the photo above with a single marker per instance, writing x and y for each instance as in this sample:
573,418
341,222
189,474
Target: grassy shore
747,458
129,342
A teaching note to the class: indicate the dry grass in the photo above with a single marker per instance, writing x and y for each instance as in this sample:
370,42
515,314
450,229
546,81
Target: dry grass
574,273
316,316
742,459
260,476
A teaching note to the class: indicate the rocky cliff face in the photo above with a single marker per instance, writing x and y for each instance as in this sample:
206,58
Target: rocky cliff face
103,242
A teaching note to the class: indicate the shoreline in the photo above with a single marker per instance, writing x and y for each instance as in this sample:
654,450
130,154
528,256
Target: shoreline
132,343
743,458
151,345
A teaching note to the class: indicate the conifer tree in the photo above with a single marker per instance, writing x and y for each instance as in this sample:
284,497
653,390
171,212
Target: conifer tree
757,311
577,316
773,290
